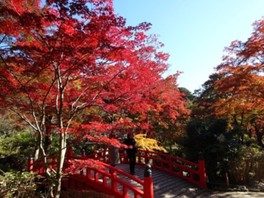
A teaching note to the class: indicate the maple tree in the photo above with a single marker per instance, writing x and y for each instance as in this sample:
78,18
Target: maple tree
242,84
170,113
235,91
73,68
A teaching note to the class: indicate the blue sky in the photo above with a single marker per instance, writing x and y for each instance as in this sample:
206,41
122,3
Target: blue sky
195,32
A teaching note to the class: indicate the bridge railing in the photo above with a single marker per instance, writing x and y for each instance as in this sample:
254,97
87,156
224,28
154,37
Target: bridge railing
192,172
103,178
107,179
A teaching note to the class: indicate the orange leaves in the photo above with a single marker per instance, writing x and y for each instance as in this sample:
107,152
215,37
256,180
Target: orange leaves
235,91
238,89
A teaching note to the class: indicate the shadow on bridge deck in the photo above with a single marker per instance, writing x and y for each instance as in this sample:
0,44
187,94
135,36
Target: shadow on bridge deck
167,186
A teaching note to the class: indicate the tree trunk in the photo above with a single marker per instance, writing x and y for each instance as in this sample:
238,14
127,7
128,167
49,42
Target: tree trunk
260,138
60,163
36,153
48,135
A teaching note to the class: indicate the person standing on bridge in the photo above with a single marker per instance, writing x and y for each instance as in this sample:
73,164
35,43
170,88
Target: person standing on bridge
131,151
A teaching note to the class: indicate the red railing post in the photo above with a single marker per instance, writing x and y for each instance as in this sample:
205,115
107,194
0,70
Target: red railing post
171,164
202,172
113,181
88,173
148,183
30,164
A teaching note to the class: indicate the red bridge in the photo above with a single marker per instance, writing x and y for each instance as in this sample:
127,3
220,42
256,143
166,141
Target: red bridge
151,169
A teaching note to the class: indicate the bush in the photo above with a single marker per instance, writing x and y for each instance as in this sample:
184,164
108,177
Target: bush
15,150
229,160
17,184
247,167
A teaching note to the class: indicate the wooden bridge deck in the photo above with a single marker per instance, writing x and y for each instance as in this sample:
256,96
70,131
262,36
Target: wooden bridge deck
167,186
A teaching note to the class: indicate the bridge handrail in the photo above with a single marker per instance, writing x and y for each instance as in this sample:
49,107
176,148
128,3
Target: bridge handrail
111,168
106,178
192,172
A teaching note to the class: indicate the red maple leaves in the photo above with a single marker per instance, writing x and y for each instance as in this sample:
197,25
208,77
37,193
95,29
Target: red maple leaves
82,65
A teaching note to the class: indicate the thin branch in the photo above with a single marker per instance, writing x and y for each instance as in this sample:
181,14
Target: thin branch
23,117
26,91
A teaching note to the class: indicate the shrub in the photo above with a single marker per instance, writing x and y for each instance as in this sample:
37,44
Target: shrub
17,184
15,150
247,167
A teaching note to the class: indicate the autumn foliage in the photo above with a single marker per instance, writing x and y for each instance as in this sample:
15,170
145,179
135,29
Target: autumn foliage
73,68
149,144
228,113
236,90
242,84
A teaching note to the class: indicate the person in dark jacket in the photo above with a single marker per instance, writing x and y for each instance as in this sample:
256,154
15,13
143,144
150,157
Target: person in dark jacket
131,151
